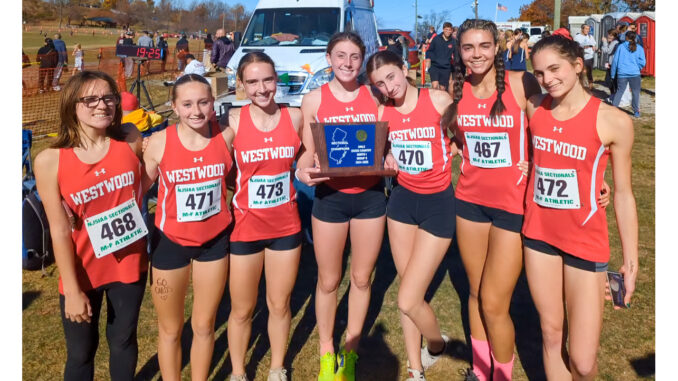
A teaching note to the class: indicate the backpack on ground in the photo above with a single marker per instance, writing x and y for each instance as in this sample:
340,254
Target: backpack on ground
36,243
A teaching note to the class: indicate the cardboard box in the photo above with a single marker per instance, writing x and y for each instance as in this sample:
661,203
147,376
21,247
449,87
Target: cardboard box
219,83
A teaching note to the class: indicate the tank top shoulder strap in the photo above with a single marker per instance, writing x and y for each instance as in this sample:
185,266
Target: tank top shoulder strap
364,95
244,121
286,118
425,100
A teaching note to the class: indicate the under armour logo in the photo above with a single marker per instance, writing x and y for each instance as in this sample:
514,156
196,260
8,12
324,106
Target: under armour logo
266,140
97,173
406,120
197,159
557,129
482,106
349,108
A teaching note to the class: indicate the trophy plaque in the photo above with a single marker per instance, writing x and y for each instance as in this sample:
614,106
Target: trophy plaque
350,149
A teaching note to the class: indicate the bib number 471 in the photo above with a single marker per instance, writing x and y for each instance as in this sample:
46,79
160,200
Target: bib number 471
191,200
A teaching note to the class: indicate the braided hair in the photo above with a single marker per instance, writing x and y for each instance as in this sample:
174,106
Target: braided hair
450,115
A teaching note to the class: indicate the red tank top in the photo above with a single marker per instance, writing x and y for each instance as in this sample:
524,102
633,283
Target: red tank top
491,149
192,194
361,109
419,145
105,197
264,203
569,164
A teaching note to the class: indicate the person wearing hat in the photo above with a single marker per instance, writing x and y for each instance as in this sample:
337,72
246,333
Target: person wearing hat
132,113
48,58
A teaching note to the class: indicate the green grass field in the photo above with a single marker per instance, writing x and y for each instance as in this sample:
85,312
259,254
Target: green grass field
627,344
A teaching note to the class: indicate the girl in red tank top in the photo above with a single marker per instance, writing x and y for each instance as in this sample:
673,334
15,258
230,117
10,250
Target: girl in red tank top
90,185
342,206
566,242
190,161
420,208
267,228
490,125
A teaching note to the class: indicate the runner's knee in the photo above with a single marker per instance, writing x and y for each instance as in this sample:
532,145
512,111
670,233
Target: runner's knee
278,307
328,285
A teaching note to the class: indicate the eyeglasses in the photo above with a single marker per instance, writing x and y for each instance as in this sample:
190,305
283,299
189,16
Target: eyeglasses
93,101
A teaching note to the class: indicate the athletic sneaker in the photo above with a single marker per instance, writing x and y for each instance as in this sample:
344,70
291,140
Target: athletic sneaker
636,114
56,88
346,366
327,367
415,375
242,377
427,359
279,374
469,375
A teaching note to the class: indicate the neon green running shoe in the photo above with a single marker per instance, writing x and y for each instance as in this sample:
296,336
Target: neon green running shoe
346,366
327,367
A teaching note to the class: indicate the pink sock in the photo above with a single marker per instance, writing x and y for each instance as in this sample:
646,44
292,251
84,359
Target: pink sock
481,358
502,372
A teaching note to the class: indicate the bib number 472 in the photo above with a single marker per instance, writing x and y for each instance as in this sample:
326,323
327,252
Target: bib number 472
550,185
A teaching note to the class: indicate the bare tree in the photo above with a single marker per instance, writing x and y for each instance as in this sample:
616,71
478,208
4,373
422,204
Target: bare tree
435,19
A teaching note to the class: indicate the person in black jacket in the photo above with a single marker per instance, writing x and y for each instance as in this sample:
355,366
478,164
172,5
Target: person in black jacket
48,58
181,49
443,53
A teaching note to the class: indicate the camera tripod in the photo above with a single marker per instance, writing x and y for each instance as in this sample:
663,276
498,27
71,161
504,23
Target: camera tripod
139,83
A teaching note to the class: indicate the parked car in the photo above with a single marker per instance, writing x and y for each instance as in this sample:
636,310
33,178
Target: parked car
413,56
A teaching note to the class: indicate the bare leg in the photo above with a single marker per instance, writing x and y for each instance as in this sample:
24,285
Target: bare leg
168,292
209,280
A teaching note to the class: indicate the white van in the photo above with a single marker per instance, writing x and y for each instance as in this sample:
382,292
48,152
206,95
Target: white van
295,35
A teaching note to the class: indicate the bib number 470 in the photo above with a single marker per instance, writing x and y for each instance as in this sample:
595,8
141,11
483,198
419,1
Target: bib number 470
408,157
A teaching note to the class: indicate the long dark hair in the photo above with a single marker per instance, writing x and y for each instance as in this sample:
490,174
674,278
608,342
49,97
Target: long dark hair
69,127
383,58
631,38
450,115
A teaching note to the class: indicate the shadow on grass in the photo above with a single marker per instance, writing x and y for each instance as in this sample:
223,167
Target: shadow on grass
28,297
644,366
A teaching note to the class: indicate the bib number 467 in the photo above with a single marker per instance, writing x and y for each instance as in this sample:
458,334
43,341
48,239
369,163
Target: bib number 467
487,150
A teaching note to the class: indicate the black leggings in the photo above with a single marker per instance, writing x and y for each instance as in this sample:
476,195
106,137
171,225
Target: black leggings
82,339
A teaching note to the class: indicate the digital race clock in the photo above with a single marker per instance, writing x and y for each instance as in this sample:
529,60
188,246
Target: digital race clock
134,51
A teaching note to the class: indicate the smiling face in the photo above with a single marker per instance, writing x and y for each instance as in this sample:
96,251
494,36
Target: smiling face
391,80
193,103
478,50
259,80
555,73
345,60
102,114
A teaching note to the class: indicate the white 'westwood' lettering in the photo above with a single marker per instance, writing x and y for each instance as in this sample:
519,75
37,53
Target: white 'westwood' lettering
413,134
256,155
559,148
505,121
108,185
196,173
355,118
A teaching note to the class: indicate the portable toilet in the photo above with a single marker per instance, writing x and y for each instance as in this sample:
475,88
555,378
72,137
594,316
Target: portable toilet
594,23
574,24
629,17
645,28
606,23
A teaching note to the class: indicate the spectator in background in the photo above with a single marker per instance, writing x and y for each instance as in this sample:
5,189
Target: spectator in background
193,66
25,62
146,41
181,49
120,39
222,50
394,45
639,40
207,51
621,30
129,62
48,58
610,44
504,47
157,37
628,60
162,44
78,56
516,52
62,61
588,43
404,50
429,37
443,55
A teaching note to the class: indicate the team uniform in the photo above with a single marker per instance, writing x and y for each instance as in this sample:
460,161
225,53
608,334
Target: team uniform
110,247
561,215
424,195
491,188
342,198
191,215
264,203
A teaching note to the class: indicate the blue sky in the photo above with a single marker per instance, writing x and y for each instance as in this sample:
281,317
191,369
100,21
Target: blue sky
400,13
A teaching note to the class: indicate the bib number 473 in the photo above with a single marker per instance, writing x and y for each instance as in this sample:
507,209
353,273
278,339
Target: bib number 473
268,191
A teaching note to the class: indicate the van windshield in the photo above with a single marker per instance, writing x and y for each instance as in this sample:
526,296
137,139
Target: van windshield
292,26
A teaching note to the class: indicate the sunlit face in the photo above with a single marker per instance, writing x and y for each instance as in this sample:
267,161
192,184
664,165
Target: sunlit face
259,80
585,29
193,104
391,81
478,50
447,32
345,60
98,114
556,74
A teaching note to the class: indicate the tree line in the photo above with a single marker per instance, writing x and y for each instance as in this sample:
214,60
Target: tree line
160,15
541,12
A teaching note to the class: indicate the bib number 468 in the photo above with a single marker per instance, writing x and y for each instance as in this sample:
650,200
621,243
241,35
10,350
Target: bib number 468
118,227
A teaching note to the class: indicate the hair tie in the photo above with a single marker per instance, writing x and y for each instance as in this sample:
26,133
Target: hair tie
562,32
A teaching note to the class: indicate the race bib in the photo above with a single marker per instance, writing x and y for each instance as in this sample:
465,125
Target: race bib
488,149
197,202
268,191
413,156
556,188
115,228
